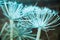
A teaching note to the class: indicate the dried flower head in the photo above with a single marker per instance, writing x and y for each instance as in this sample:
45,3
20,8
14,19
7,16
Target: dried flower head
13,10
41,17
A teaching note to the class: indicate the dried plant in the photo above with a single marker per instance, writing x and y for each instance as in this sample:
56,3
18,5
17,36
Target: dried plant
23,18
42,18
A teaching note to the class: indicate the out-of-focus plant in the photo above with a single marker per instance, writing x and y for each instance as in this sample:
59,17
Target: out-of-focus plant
42,18
20,32
27,18
13,11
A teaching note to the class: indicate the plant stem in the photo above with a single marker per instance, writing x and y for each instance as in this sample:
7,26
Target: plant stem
38,34
47,35
3,28
20,38
11,29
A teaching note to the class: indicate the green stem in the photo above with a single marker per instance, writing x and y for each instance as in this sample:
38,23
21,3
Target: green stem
11,29
38,34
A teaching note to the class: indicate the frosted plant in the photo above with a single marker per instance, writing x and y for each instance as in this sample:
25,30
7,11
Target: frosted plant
28,17
42,18
15,13
12,11
25,33
19,32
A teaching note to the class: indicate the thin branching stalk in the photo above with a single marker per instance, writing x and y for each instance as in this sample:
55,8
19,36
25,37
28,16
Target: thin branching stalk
47,35
3,28
38,34
11,30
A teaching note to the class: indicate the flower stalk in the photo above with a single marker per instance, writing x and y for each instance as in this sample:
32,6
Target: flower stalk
11,29
38,34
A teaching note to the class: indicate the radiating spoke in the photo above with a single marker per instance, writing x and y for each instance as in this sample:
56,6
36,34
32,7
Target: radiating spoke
3,28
